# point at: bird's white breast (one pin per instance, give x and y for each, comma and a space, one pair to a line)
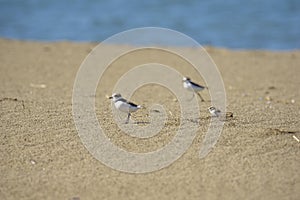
188, 86
125, 107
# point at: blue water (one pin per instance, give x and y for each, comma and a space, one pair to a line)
239, 24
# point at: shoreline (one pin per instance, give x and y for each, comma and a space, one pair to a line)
95, 43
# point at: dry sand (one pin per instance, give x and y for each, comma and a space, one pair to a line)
42, 156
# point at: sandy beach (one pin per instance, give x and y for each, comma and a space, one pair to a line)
42, 156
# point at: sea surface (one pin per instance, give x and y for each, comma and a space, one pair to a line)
237, 24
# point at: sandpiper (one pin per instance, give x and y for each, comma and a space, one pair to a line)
214, 112
124, 105
217, 113
194, 87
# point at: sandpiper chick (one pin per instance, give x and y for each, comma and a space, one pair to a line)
217, 113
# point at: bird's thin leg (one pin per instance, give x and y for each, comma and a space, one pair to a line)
200, 97
127, 121
192, 97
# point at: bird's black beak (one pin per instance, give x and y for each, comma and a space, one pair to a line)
110, 97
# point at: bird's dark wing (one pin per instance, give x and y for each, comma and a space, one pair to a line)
197, 85
132, 104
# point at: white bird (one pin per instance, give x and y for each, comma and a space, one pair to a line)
124, 105
214, 112
217, 113
191, 86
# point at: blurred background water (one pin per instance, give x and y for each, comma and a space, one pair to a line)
238, 24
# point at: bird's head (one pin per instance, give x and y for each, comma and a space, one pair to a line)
115, 96
211, 108
186, 79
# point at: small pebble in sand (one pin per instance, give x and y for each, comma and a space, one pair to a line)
33, 162
271, 87
268, 98
156, 111
293, 101
269, 106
